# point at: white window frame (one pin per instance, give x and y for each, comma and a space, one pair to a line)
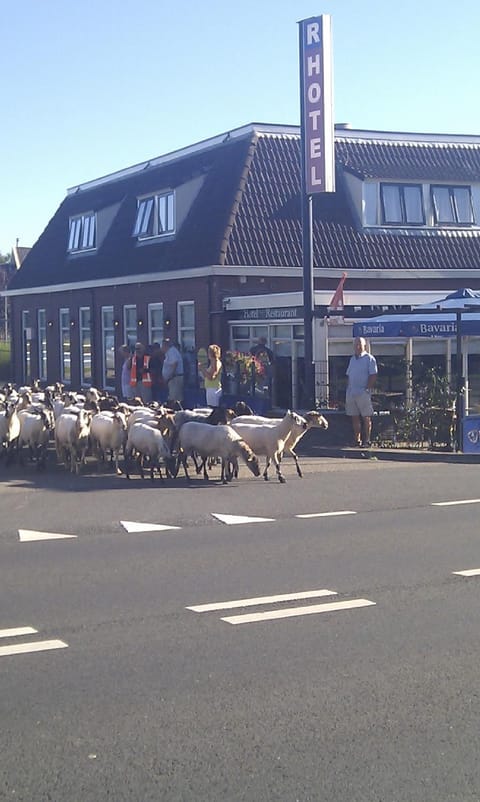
107, 330
85, 329
155, 216
42, 343
130, 333
181, 329
155, 333
82, 232
65, 345
27, 346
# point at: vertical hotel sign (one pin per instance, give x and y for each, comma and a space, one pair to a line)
318, 159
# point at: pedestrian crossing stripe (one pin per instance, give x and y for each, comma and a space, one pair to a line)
290, 612
259, 600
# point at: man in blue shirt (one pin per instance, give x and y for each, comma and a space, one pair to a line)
362, 374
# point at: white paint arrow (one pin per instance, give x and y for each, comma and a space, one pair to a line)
31, 534
134, 526
239, 519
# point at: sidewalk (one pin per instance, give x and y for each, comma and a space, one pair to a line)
312, 445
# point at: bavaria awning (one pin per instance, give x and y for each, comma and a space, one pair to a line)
423, 323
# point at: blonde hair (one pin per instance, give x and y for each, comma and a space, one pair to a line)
215, 350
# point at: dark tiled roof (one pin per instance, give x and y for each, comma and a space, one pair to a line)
406, 161
267, 229
197, 243
247, 213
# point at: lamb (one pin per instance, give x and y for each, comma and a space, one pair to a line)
268, 439
313, 418
215, 441
149, 442
72, 432
36, 425
108, 433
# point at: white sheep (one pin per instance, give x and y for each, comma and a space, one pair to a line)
9, 430
269, 440
146, 441
36, 425
215, 441
72, 434
108, 434
313, 419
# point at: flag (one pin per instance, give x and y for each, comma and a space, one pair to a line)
337, 298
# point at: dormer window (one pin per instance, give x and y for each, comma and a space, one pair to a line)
155, 216
452, 205
402, 204
82, 232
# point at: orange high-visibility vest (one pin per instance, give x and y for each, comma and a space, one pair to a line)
146, 378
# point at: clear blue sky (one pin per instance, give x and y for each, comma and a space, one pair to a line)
93, 86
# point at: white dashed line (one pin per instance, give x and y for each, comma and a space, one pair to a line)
325, 514
31, 534
230, 605
291, 612
135, 526
469, 572
239, 519
454, 503
17, 631
39, 646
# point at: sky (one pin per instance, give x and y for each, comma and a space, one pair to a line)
95, 86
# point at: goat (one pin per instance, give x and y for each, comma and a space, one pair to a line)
216, 441
269, 440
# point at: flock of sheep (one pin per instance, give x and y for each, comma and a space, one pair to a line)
146, 437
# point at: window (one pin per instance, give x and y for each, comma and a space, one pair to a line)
452, 205
65, 351
130, 325
186, 325
42, 343
85, 345
402, 204
108, 346
82, 232
155, 323
27, 346
155, 216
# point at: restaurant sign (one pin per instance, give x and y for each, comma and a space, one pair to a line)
273, 313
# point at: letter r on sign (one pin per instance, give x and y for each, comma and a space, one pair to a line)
312, 33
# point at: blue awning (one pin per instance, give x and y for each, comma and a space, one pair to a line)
419, 324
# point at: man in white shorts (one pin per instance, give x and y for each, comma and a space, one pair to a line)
362, 374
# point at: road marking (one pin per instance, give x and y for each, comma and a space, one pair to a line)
325, 514
470, 572
230, 605
32, 534
239, 519
39, 646
12, 633
453, 503
310, 609
134, 526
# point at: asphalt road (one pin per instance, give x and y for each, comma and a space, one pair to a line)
138, 697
